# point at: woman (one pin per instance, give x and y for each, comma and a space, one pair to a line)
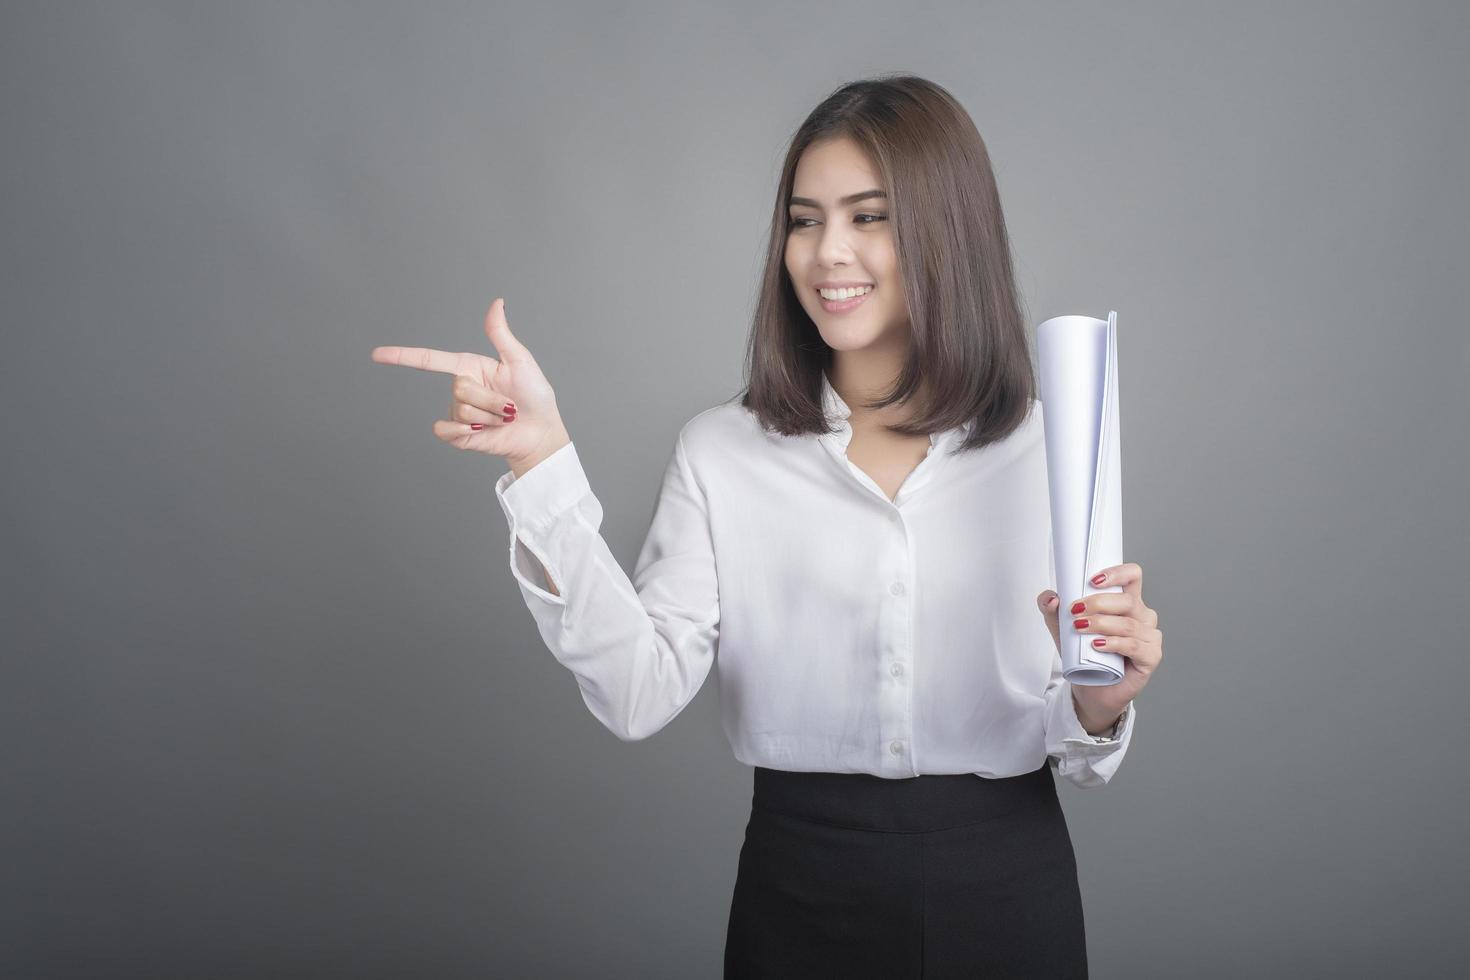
857, 538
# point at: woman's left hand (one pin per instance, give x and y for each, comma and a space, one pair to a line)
1127, 627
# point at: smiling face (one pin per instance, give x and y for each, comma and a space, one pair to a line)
839, 232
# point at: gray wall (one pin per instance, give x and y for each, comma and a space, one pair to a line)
271, 704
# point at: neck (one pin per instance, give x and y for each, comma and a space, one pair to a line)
860, 376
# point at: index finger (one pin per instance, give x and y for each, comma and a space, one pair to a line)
423, 358
1129, 575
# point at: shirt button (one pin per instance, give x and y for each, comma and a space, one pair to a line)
896, 588
896, 747
896, 669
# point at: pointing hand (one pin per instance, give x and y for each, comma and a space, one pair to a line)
502, 407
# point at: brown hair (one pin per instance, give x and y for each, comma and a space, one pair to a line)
969, 341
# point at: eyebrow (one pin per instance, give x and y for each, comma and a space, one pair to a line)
849, 199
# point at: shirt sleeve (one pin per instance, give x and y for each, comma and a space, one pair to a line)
640, 649
1086, 760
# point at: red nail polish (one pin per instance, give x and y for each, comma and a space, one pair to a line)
510, 418
1099, 641
1078, 606
1098, 578
477, 425
1079, 624
509, 407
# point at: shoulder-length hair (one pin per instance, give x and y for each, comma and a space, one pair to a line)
969, 341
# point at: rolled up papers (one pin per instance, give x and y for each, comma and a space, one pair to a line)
1079, 392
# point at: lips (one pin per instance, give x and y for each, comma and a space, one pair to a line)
844, 305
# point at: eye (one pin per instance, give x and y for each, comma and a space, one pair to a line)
875, 218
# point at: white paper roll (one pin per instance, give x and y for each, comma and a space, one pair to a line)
1079, 394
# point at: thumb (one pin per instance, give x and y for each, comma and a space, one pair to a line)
1050, 607
497, 328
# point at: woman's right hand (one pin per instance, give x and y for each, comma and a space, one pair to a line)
509, 400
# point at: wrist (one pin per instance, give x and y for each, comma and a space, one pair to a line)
1098, 722
555, 439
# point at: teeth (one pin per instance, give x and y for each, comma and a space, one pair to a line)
841, 294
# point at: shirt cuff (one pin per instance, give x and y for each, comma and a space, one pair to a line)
541, 494
1072, 730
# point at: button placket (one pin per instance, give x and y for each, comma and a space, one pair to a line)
904, 663
896, 691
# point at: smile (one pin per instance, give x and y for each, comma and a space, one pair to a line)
844, 305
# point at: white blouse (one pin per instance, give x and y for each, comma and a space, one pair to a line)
854, 633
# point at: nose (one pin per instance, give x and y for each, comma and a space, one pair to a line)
834, 246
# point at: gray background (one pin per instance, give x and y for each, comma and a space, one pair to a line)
271, 703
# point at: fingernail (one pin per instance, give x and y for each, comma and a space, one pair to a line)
510, 418
1098, 578
477, 425
1079, 624
1099, 641
509, 407
1078, 606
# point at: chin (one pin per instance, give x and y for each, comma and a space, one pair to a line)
848, 342
855, 336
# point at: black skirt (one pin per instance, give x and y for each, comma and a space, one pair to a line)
853, 875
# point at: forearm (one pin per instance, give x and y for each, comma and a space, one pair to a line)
639, 652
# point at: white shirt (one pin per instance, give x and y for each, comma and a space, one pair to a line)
851, 633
